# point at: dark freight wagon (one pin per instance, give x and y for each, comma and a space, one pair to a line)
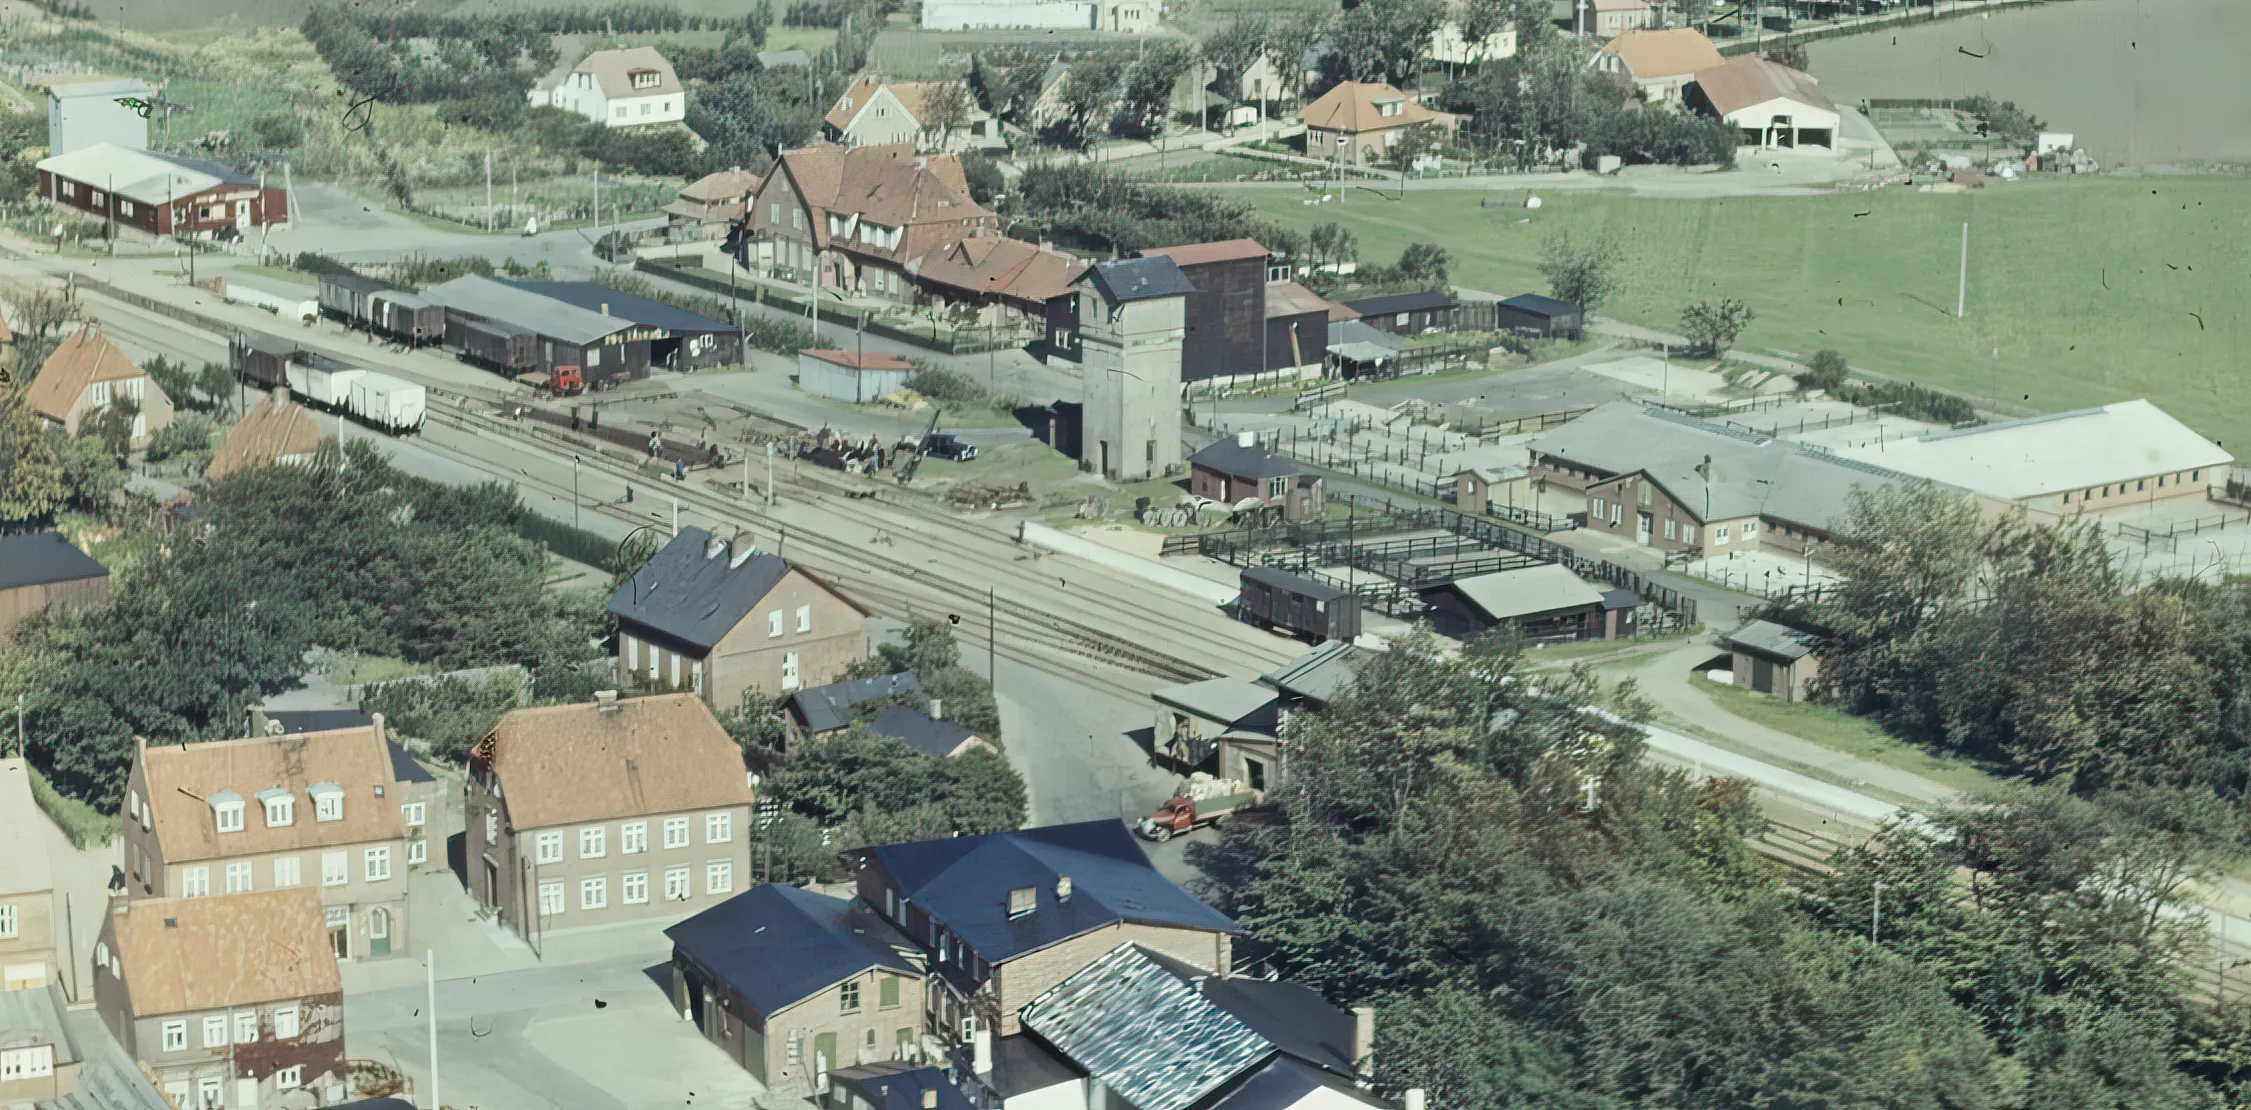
346, 297
495, 346
405, 317
261, 359
1298, 606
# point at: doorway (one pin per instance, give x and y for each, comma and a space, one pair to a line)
1641, 528
1104, 468
824, 1056
1762, 677
378, 932
340, 931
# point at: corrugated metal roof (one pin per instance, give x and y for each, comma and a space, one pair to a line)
496, 300
1145, 1033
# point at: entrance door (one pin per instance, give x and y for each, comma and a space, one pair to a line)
824, 1056
340, 931
1104, 470
245, 1094
492, 883
1641, 528
1762, 677
379, 932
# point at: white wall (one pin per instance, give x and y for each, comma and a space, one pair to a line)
960, 15
823, 378
79, 122
1067, 1095
639, 110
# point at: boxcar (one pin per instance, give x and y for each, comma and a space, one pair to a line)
260, 358
1298, 606
345, 297
381, 401
503, 347
406, 317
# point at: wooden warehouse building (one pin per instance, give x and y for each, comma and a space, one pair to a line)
603, 348
161, 194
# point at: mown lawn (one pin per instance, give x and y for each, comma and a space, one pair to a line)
2081, 291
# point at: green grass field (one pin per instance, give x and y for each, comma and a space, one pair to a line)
2091, 290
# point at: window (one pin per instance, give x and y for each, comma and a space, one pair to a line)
550, 898
621, 111
133, 804
378, 863
8, 921
207, 1092
1670, 528
328, 803
246, 1027
492, 826
238, 877
646, 79
718, 828
286, 873
1616, 511
633, 889
774, 213
675, 672
804, 618
1719, 534
632, 653
126, 207
1641, 493
887, 992
416, 813
229, 810
848, 997
675, 832
718, 876
285, 1022
645, 109
676, 884
36, 1062
594, 892
195, 882
1688, 533
281, 808
2140, 485
593, 843
290, 1078
215, 1031
333, 869
633, 838
550, 848
1598, 503
418, 850
789, 670
1750, 528
175, 1036
774, 623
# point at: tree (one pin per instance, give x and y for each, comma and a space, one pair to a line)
1582, 270
1413, 143
1712, 327
1422, 264
1147, 96
1331, 244
89, 465
945, 106
1384, 40
984, 178
112, 426
1287, 44
31, 481
41, 309
1825, 371
1232, 50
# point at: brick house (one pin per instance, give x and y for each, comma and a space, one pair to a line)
794, 984
226, 1001
1238, 470
87, 374
720, 617
1359, 121
609, 811
324, 811
852, 220
1002, 918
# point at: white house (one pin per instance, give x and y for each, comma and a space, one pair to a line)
1136, 17
619, 88
1772, 105
1448, 45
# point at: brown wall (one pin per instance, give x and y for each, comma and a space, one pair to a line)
23, 601
1017, 982
749, 656
155, 407
1792, 681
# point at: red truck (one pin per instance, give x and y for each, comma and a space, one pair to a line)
1200, 801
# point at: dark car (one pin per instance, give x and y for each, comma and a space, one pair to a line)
945, 445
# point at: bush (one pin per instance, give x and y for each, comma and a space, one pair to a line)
985, 181
1911, 400
950, 388
188, 433
1825, 370
449, 713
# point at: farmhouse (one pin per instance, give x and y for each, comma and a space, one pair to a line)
160, 194
1358, 121
42, 569
855, 219
86, 375
707, 206
1659, 63
618, 88
1674, 482
1768, 104
2044, 463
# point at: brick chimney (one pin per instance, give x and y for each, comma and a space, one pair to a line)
1364, 1039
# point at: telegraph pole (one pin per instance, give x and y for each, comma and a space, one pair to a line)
1962, 285
488, 192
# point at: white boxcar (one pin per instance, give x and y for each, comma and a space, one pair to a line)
327, 387
382, 401
284, 305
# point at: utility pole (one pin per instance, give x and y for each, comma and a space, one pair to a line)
992, 639
574, 490
430, 958
1962, 286
488, 192
1876, 915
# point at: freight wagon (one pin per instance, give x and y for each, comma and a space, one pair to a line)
1297, 606
405, 317
322, 382
386, 403
493, 345
346, 296
261, 359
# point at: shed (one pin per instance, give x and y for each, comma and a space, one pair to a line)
857, 376
1297, 605
1770, 658
1545, 602
43, 568
924, 733
1542, 316
1238, 470
1480, 488
1406, 313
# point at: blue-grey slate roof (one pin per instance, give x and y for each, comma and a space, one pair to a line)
778, 945
1231, 458
964, 882
1400, 302
43, 559
1139, 279
899, 1086
641, 310
1541, 306
693, 596
919, 731
828, 708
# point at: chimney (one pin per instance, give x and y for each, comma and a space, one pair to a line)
1063, 889
607, 700
937, 709
1246, 439
981, 1051
712, 549
930, 1098
1364, 1039
380, 734
742, 555
605, 308
1414, 1098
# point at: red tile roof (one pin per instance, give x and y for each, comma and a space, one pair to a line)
1196, 254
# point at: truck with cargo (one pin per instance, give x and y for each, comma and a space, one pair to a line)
1202, 800
387, 403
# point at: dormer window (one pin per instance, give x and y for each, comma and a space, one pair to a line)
226, 805
1022, 901
647, 79
328, 801
281, 807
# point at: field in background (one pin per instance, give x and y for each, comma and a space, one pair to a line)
2081, 291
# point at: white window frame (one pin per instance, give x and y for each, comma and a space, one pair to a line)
281, 811
8, 921
677, 887
594, 892
718, 828
633, 888
675, 832
773, 623
492, 825
228, 814
719, 876
30, 1062
290, 1078
285, 1022
175, 1036
551, 898
632, 838
804, 618
195, 882
335, 868
417, 851
593, 842
238, 877
246, 1027
288, 872
378, 863
416, 814
215, 1031
548, 847
328, 806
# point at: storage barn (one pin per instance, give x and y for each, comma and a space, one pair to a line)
856, 376
1542, 316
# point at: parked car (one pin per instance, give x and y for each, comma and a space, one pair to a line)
946, 445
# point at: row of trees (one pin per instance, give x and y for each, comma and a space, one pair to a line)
1097, 208
1545, 921
1101, 91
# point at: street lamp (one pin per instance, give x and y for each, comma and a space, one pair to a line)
574, 490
